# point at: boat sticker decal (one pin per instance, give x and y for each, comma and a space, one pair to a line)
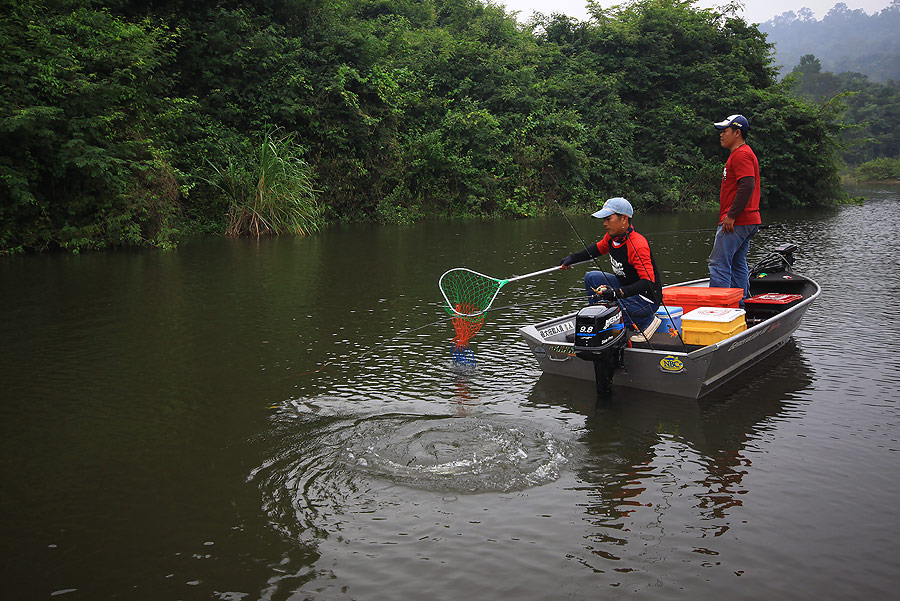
539, 351
560, 349
747, 339
671, 364
558, 329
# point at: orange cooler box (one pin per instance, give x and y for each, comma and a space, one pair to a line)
693, 297
708, 325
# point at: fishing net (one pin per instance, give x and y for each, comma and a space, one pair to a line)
464, 327
468, 294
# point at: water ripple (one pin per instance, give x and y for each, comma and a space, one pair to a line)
456, 454
325, 468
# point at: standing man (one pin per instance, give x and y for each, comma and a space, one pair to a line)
739, 218
636, 284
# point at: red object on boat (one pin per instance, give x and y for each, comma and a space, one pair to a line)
694, 297
773, 299
763, 306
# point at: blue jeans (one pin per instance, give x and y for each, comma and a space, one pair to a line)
636, 309
728, 260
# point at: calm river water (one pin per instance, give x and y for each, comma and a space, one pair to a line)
281, 420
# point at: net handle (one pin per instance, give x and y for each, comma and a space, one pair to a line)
500, 283
541, 272
531, 275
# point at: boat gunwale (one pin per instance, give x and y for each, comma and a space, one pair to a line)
697, 353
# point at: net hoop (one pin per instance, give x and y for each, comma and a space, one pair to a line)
481, 290
468, 295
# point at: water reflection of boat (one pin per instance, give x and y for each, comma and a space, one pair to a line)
631, 442
668, 365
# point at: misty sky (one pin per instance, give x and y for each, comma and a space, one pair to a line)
755, 11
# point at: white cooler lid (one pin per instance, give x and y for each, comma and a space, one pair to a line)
716, 314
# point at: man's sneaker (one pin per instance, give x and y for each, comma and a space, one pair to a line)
645, 335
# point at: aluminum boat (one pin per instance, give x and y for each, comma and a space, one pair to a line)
665, 363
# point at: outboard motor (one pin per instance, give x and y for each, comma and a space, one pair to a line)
600, 337
780, 259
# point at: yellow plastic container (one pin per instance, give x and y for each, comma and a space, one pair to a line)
709, 325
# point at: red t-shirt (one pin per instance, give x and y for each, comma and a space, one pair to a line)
633, 264
741, 163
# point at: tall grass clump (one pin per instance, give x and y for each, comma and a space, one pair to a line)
273, 193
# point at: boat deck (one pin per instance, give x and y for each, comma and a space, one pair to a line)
660, 341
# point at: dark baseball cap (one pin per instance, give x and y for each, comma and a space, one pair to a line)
738, 121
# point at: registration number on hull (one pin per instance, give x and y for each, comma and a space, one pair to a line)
559, 328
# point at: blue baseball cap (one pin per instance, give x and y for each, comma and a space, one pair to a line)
615, 205
738, 121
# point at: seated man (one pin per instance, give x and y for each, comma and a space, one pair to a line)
635, 283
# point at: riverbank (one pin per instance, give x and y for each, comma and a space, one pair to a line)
420, 111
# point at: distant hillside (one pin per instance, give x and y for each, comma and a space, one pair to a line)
844, 40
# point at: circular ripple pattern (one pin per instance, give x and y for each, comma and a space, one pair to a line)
321, 470
456, 454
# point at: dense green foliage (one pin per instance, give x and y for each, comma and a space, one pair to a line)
844, 40
128, 123
80, 93
872, 114
878, 169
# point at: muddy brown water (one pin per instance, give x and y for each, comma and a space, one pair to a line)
281, 420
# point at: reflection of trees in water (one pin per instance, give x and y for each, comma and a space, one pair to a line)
656, 462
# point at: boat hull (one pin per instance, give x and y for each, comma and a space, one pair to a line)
689, 371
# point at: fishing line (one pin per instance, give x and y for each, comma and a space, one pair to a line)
406, 333
711, 229
545, 300
643, 265
590, 297
584, 244
364, 354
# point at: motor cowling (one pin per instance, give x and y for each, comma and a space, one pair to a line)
600, 338
597, 328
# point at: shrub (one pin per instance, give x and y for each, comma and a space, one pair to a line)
883, 168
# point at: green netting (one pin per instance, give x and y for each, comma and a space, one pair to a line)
468, 293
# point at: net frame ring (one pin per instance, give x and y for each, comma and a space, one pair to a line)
477, 280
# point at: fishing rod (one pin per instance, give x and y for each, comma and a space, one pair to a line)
605, 276
594, 259
662, 304
711, 229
